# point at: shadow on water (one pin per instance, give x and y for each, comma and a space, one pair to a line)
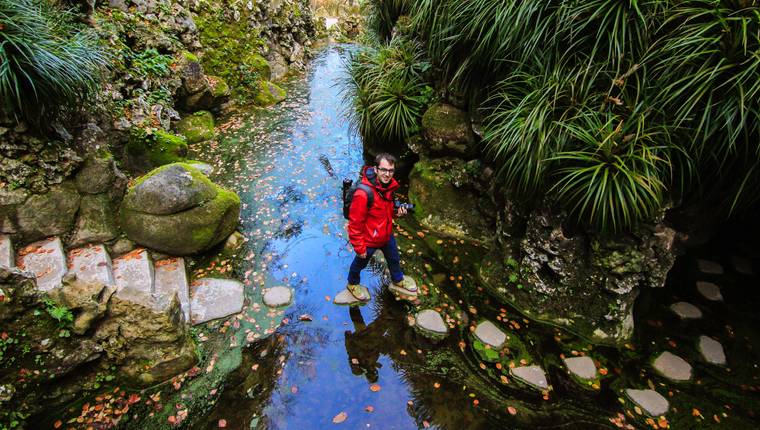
286, 164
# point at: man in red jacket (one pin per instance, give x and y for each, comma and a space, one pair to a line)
371, 228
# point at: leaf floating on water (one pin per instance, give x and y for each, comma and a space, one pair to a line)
375, 387
337, 419
369, 408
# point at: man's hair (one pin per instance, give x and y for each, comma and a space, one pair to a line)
385, 156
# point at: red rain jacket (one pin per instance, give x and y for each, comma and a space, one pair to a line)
371, 227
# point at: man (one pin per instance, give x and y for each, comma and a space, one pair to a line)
370, 229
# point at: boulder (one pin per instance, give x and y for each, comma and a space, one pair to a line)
95, 223
446, 200
49, 214
146, 150
447, 131
178, 211
196, 127
268, 94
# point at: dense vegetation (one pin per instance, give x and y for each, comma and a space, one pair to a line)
614, 109
47, 62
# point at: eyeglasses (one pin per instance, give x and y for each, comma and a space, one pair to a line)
383, 170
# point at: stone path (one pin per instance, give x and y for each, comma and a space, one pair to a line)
650, 401
213, 298
531, 375
711, 350
686, 311
46, 260
408, 281
672, 367
345, 298
91, 264
709, 291
491, 335
276, 297
431, 323
582, 367
170, 278
709, 267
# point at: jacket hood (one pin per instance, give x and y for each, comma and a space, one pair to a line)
370, 178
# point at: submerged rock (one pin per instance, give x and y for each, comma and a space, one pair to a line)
711, 350
531, 375
431, 324
672, 367
279, 296
491, 335
709, 291
582, 367
652, 402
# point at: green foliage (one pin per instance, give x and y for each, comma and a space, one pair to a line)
612, 109
60, 313
47, 62
150, 64
383, 14
388, 90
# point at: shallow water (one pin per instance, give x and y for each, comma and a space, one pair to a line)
323, 361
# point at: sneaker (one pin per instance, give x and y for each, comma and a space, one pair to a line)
407, 287
357, 291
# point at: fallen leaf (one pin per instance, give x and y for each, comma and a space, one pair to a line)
337, 419
511, 410
374, 387
222, 423
369, 408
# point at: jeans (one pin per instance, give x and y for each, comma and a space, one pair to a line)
390, 251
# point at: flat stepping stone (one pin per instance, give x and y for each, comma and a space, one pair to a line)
134, 271
712, 350
345, 298
491, 335
91, 264
742, 265
46, 260
213, 298
531, 375
686, 311
431, 322
582, 367
709, 267
672, 367
276, 297
171, 277
650, 401
408, 282
6, 251
709, 291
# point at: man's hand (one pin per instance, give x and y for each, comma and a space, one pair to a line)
401, 211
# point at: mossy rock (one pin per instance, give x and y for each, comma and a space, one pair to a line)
447, 130
258, 64
147, 150
269, 94
219, 87
187, 230
197, 127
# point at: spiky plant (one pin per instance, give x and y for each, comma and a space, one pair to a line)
47, 63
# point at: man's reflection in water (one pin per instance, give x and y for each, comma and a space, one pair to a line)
363, 346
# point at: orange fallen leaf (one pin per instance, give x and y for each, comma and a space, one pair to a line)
222, 423
437, 385
369, 408
374, 387
511, 410
337, 419
57, 424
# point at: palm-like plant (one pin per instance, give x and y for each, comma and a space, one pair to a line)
46, 63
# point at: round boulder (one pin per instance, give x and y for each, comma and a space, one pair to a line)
175, 209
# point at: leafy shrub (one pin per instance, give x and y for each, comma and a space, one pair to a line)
46, 61
150, 63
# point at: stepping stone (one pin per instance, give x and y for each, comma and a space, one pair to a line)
345, 298
134, 271
431, 322
276, 297
46, 260
489, 334
672, 367
170, 278
91, 264
712, 350
709, 291
709, 267
6, 251
531, 375
213, 298
650, 401
686, 311
742, 265
408, 281
582, 367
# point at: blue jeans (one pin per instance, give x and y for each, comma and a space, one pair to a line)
390, 251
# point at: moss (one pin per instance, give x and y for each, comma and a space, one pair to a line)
149, 149
219, 87
258, 64
197, 127
189, 56
269, 94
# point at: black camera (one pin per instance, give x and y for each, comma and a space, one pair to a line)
408, 206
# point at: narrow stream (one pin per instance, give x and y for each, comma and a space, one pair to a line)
327, 366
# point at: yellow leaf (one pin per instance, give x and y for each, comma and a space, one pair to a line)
337, 419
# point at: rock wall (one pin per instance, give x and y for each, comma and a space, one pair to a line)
549, 270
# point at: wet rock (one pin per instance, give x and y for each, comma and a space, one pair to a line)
234, 241
276, 297
531, 375
447, 130
95, 222
269, 94
672, 367
62, 360
712, 350
709, 267
178, 211
491, 335
170, 277
582, 367
431, 323
345, 298
650, 401
46, 260
709, 291
686, 310
197, 127
87, 299
215, 298
49, 214
20, 293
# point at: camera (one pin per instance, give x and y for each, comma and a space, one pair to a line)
408, 206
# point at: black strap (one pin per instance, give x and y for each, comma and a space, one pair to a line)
368, 191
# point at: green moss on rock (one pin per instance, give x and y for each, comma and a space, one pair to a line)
155, 148
196, 127
269, 94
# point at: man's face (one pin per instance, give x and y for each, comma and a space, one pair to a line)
385, 172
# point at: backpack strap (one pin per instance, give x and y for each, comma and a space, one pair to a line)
368, 191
